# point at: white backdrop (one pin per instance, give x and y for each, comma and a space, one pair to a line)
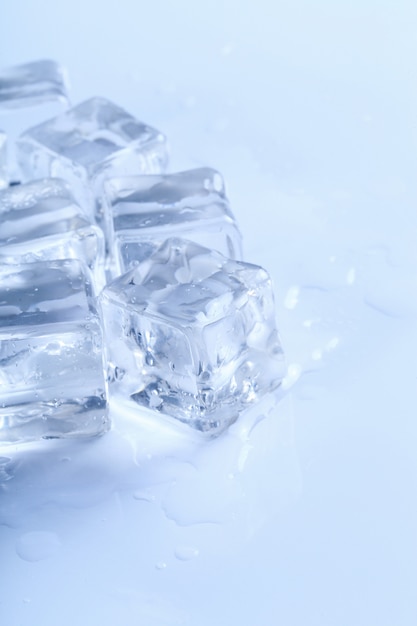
305, 513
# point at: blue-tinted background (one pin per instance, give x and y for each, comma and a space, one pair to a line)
305, 513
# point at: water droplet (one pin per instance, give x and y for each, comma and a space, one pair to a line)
161, 565
333, 343
144, 496
351, 276
291, 299
218, 182
317, 355
309, 323
243, 456
293, 374
186, 553
37, 545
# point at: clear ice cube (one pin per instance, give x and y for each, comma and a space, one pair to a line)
143, 211
4, 177
29, 94
89, 143
192, 334
51, 377
40, 221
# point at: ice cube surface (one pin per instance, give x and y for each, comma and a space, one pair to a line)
51, 378
3, 160
32, 83
29, 94
191, 333
89, 143
144, 211
40, 221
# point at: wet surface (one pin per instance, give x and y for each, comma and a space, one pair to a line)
304, 512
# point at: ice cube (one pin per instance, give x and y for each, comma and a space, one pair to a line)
3, 160
89, 143
40, 221
143, 211
29, 94
192, 334
51, 376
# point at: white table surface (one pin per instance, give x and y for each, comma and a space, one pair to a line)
304, 514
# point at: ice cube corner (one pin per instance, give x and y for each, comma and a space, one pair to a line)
89, 143
192, 334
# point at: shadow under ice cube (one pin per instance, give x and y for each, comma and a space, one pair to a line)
51, 377
88, 144
192, 334
143, 211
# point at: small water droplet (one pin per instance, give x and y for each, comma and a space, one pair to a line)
144, 496
293, 374
309, 323
291, 299
186, 553
161, 565
333, 343
37, 545
218, 182
351, 276
317, 355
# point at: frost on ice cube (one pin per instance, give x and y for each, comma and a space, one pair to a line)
40, 221
192, 334
3, 161
29, 94
143, 211
89, 143
51, 376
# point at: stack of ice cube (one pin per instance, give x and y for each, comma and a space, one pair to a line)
118, 281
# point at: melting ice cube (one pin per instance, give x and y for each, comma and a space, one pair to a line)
89, 143
51, 375
29, 94
192, 334
143, 211
41, 221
